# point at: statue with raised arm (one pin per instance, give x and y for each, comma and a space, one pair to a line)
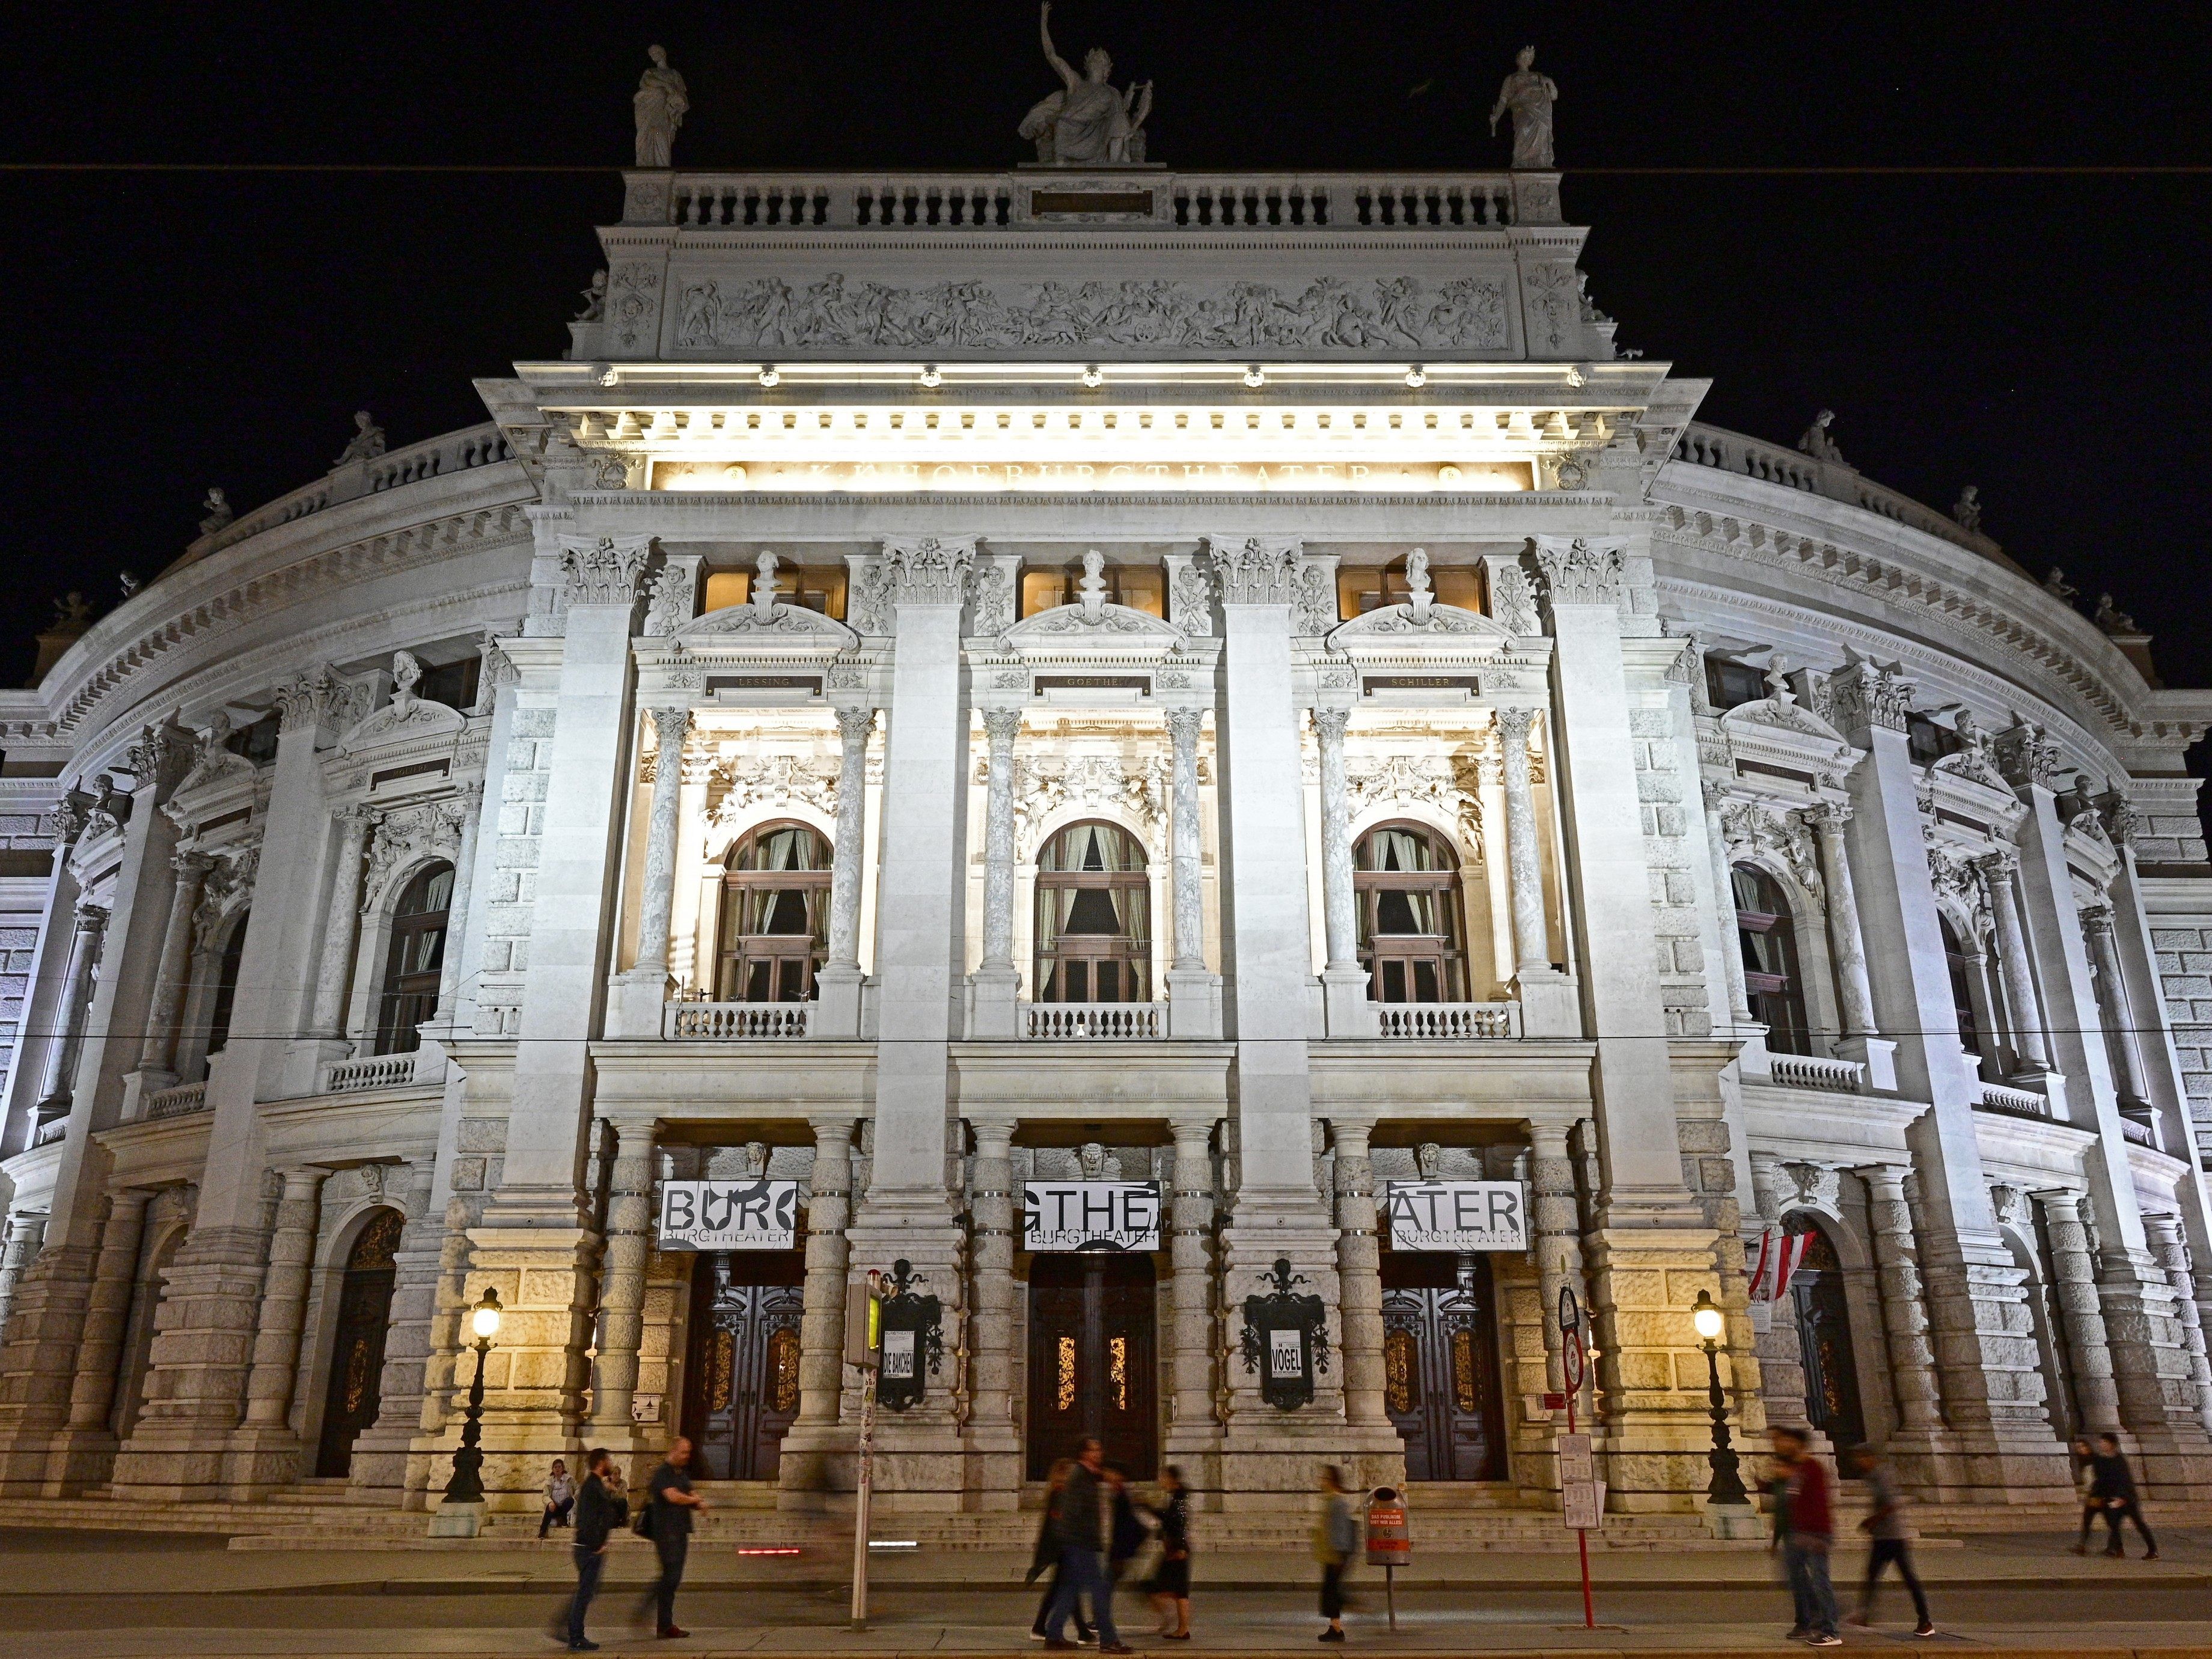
1086, 123
1528, 97
659, 105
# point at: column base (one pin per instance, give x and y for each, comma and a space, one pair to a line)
1346, 1012
837, 1001
1551, 1003
1735, 1521
635, 1002
304, 1061
261, 1460
456, 1521
61, 1462
994, 1005
1193, 1005
1878, 1055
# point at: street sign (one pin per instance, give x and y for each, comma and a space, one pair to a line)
1576, 1463
1584, 1503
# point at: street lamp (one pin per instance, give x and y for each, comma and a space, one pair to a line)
467, 1485
1727, 1484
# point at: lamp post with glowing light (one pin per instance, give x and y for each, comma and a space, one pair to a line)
467, 1485
1727, 1483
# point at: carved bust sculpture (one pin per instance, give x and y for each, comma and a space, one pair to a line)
1528, 97
659, 105
1086, 123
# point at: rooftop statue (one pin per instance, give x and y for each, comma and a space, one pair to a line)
2111, 618
368, 441
2057, 587
659, 105
219, 514
1967, 509
595, 300
1528, 97
1817, 444
1087, 123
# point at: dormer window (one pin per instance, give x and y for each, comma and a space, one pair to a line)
1362, 588
1730, 684
1926, 742
452, 683
256, 742
1141, 587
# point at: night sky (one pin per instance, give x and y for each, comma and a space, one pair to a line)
2045, 337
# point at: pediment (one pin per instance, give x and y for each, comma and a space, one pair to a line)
217, 770
1398, 624
1973, 764
411, 719
1772, 717
785, 626
1088, 625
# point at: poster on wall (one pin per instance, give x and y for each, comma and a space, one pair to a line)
1091, 1215
1457, 1215
728, 1215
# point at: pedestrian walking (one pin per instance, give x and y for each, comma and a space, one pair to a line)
599, 1510
1169, 1584
1336, 1535
2085, 1484
1885, 1527
1044, 1560
560, 1498
2114, 1486
669, 1511
1810, 1533
1082, 1554
1126, 1531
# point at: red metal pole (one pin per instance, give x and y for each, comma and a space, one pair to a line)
1582, 1535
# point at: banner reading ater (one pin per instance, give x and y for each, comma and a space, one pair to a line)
1457, 1215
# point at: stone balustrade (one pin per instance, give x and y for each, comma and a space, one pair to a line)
729, 1021
1063, 1022
2020, 1103
180, 1102
1811, 1071
1496, 1021
347, 1077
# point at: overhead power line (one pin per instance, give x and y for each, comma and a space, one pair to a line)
2188, 169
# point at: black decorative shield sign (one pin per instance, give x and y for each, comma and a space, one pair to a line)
913, 1340
1286, 1339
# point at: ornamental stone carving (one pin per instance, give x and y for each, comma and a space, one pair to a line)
316, 696
2023, 756
162, 756
2122, 823
1752, 830
1330, 315
1579, 572
992, 611
408, 838
929, 570
1866, 696
1086, 123
762, 613
755, 780
673, 592
1257, 569
1448, 785
603, 571
1190, 599
1513, 601
1316, 610
1045, 784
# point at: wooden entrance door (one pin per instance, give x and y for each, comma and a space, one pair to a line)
1093, 1366
1440, 1365
352, 1400
1824, 1335
741, 1388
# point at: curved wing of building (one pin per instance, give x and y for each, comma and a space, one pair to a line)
1195, 769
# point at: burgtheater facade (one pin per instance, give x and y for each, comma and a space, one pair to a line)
1099, 724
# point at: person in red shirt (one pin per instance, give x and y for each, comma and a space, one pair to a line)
1808, 1532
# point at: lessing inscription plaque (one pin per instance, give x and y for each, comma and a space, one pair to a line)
1419, 683
810, 683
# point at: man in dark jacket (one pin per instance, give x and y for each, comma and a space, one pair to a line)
1812, 1533
674, 1505
2112, 1488
1082, 1545
598, 1512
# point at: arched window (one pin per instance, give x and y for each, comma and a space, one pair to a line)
1961, 969
1406, 878
775, 916
225, 984
1094, 935
415, 959
1770, 975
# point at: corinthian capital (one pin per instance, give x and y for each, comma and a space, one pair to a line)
929, 570
1864, 695
1257, 569
602, 571
1579, 571
312, 698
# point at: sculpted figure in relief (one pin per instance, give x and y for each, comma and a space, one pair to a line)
1087, 123
1528, 97
661, 104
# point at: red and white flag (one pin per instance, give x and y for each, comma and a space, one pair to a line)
1779, 1255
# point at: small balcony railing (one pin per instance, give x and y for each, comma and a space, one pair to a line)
1845, 1077
2020, 1103
1493, 1021
1073, 1022
735, 1022
180, 1102
347, 1077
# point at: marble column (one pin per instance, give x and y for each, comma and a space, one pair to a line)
1904, 1301
1344, 990
2018, 976
822, 1327
157, 1052
621, 1284
2169, 1245
2081, 1313
355, 823
26, 1229
657, 895
107, 1317
1559, 1239
1193, 1430
77, 999
1183, 727
994, 989
1360, 1274
1532, 951
1739, 995
2113, 1002
994, 1468
1844, 936
284, 1300
470, 807
838, 993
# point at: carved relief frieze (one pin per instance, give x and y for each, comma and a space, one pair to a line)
1044, 784
1448, 785
1758, 830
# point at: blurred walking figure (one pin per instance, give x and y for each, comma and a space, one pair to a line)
599, 1510
2085, 1488
669, 1518
1044, 1561
2114, 1488
1169, 1584
1810, 1533
1126, 1531
1082, 1554
1336, 1535
1885, 1527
